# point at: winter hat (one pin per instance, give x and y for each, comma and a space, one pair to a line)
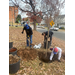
27, 27
55, 50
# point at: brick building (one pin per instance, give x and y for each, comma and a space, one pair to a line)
13, 12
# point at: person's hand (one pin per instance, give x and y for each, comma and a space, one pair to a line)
51, 49
22, 32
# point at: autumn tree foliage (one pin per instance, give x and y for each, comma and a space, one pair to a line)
25, 19
37, 18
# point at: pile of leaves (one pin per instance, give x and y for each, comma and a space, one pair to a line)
13, 59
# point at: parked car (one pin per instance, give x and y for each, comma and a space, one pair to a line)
40, 26
54, 28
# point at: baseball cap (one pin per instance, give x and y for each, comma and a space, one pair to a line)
55, 51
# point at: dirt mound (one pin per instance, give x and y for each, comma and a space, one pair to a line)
13, 59
27, 54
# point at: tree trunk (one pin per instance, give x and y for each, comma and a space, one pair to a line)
34, 25
47, 41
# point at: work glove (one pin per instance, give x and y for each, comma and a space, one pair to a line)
51, 49
22, 32
28, 35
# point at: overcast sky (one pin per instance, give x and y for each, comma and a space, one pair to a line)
24, 15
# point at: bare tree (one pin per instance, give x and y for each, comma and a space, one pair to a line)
50, 9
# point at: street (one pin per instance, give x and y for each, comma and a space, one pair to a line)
58, 34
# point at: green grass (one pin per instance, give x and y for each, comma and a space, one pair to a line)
15, 27
14, 23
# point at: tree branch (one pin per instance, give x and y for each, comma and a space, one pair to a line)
21, 8
25, 1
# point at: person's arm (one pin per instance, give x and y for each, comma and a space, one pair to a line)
51, 33
23, 29
51, 49
30, 29
50, 39
51, 56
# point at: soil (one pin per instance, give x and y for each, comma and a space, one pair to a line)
13, 59
27, 54
44, 58
13, 49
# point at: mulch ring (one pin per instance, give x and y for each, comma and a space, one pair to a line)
27, 54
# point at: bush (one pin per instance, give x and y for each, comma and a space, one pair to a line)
61, 28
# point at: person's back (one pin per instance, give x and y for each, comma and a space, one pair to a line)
28, 29
50, 33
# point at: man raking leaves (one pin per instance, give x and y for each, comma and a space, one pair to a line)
29, 33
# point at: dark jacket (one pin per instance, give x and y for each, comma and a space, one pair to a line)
28, 31
50, 33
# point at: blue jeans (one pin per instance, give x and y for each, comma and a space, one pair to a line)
30, 40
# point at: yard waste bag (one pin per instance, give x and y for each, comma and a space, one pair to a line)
37, 46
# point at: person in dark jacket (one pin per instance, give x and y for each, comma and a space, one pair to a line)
45, 36
29, 33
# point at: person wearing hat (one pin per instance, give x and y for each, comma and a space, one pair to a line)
56, 50
29, 33
45, 36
